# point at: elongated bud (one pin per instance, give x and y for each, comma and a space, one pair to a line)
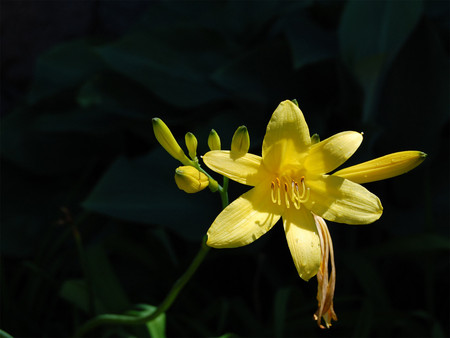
241, 141
213, 140
191, 144
190, 180
383, 167
168, 142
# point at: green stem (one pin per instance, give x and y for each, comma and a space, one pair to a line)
147, 316
111, 319
224, 192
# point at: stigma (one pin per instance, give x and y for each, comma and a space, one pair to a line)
289, 191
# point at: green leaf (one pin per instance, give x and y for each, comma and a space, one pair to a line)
259, 75
371, 34
106, 285
157, 327
309, 42
170, 63
75, 292
417, 244
64, 67
143, 190
4, 334
280, 307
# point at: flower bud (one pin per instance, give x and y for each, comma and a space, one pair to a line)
315, 139
191, 144
190, 180
213, 140
241, 141
168, 142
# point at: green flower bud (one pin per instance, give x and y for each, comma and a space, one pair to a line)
213, 140
241, 141
168, 142
191, 144
315, 139
190, 180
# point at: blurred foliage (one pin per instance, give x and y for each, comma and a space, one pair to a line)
92, 221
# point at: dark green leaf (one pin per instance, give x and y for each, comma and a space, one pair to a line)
309, 42
371, 35
143, 190
177, 75
106, 285
63, 67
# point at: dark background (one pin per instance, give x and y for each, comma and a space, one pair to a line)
92, 221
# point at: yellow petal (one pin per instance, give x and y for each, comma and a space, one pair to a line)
303, 241
246, 169
287, 137
384, 167
343, 201
245, 220
329, 154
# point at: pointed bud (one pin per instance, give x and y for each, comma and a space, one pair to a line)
168, 142
315, 139
190, 180
383, 167
191, 144
213, 140
241, 141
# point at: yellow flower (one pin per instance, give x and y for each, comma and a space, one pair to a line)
290, 181
190, 180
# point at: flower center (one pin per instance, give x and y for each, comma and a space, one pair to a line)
290, 191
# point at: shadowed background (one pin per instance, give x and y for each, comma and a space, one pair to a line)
92, 221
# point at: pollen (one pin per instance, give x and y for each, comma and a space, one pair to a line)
289, 191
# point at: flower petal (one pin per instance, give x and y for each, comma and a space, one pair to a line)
287, 137
246, 169
303, 241
383, 167
329, 154
343, 201
245, 220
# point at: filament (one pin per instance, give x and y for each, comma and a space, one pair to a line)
294, 192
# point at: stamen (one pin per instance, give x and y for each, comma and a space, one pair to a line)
286, 197
278, 191
272, 188
295, 195
305, 191
292, 193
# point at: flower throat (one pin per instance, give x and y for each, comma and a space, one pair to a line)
289, 191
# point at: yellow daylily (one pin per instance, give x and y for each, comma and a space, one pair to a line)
290, 181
